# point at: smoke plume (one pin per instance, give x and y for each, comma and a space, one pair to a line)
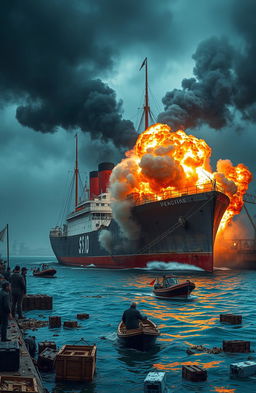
224, 83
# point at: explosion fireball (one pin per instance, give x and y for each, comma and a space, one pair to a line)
166, 164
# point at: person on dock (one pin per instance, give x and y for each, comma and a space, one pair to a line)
5, 309
132, 317
18, 290
7, 274
24, 276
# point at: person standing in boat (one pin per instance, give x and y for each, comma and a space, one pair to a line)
5, 309
132, 317
18, 289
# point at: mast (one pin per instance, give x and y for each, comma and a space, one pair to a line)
76, 173
146, 107
146, 111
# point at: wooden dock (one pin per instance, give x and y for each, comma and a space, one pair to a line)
26, 378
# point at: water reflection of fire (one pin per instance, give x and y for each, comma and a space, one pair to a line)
163, 162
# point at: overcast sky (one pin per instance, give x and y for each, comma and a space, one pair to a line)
73, 66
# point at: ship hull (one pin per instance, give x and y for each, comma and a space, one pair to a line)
179, 230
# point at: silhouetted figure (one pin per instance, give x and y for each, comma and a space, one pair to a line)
18, 291
131, 317
5, 309
7, 274
24, 276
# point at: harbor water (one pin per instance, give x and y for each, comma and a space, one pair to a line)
105, 294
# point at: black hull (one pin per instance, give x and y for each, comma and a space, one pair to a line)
175, 291
174, 230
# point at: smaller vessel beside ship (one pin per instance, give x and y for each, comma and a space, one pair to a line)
171, 288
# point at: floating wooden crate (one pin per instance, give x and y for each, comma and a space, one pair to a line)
54, 322
46, 359
243, 369
236, 346
231, 318
70, 324
76, 363
9, 384
82, 316
194, 373
46, 344
37, 302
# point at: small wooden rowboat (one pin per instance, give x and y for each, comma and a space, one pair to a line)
173, 289
44, 273
142, 338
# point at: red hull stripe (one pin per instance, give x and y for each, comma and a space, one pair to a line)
202, 260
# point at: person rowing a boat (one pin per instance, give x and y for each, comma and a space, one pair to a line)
132, 317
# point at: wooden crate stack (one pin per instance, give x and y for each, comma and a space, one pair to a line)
76, 363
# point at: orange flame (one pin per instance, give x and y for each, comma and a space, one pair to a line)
166, 164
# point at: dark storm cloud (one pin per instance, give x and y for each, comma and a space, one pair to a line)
223, 81
52, 54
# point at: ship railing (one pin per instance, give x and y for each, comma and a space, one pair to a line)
198, 189
58, 231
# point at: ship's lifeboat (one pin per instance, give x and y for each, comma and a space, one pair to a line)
171, 288
45, 271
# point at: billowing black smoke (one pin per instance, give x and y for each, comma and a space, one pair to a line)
224, 80
92, 106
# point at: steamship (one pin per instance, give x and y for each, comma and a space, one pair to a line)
180, 228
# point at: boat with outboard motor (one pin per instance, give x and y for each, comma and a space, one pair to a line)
170, 288
44, 271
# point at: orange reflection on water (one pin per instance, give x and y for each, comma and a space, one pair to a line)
221, 389
176, 365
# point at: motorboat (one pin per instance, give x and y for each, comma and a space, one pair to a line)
44, 271
171, 288
141, 338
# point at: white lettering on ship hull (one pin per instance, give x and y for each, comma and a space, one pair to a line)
173, 202
83, 244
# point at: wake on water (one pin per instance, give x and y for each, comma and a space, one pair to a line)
158, 265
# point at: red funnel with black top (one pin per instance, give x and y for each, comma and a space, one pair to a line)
94, 184
104, 170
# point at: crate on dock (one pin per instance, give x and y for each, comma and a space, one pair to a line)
9, 384
231, 318
82, 316
243, 369
46, 344
70, 324
76, 363
54, 322
194, 373
9, 355
236, 346
46, 359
